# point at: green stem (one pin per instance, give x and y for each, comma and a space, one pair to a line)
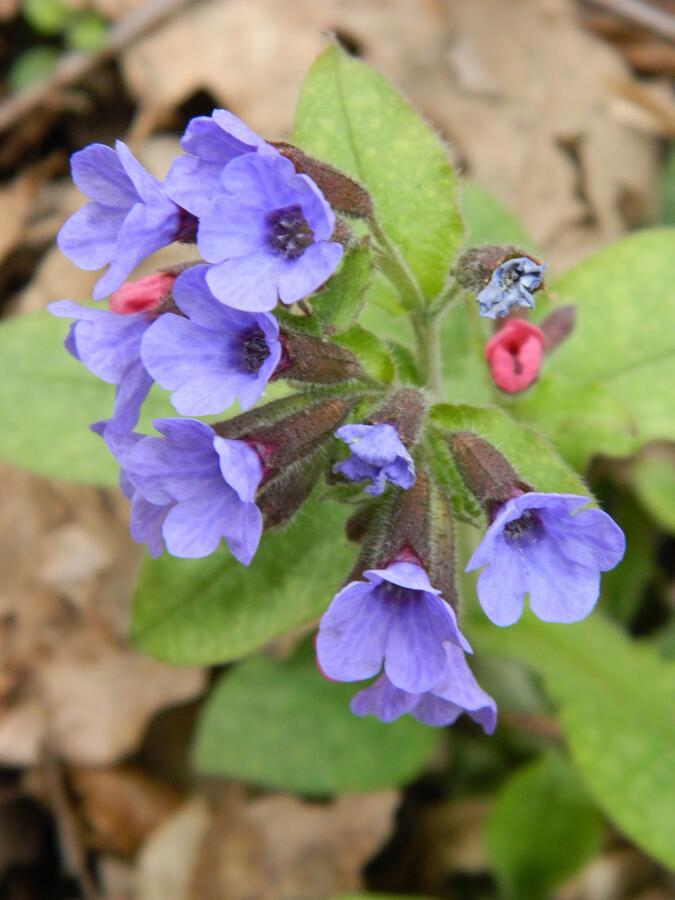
396, 271
423, 317
425, 327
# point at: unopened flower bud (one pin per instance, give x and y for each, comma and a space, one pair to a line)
282, 495
144, 295
514, 355
558, 325
486, 473
502, 277
290, 438
309, 359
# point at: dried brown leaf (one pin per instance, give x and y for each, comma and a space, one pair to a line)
121, 806
67, 677
283, 848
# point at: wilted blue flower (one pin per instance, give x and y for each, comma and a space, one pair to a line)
455, 693
268, 232
128, 218
207, 482
377, 453
511, 284
540, 544
213, 356
109, 345
210, 143
395, 617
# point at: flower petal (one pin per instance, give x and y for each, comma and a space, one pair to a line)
589, 538
415, 657
383, 700
303, 276
248, 283
501, 585
351, 639
560, 590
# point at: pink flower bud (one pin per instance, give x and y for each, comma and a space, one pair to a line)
514, 355
144, 295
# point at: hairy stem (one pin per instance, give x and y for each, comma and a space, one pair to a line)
425, 327
395, 270
423, 317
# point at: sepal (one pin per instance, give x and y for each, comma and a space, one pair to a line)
489, 476
342, 192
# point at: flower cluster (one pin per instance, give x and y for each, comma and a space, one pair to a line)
266, 223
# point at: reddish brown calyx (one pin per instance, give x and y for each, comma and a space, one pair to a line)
487, 474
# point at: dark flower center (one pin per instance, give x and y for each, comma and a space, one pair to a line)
254, 350
528, 525
288, 233
186, 232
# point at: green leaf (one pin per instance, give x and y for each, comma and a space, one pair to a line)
285, 726
624, 339
338, 305
211, 610
531, 858
372, 353
653, 478
32, 65
46, 16
580, 418
351, 117
531, 455
617, 714
87, 32
48, 400
406, 365
488, 221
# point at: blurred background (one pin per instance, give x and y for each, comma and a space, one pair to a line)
564, 111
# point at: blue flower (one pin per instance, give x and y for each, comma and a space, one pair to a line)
377, 453
213, 356
146, 519
456, 692
109, 345
205, 485
128, 218
395, 618
545, 546
268, 234
210, 143
511, 284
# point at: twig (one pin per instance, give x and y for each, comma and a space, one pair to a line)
656, 20
74, 66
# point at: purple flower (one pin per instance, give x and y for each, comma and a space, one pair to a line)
109, 345
511, 284
268, 232
210, 142
207, 483
378, 453
540, 544
455, 693
213, 356
146, 519
128, 218
395, 617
